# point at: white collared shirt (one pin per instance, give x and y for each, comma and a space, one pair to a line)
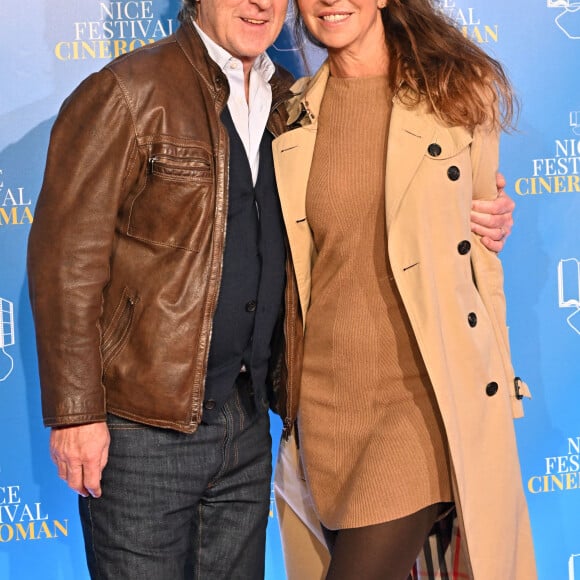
249, 118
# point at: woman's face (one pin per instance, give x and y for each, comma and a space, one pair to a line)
344, 25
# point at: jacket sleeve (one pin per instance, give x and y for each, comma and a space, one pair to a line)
91, 164
487, 266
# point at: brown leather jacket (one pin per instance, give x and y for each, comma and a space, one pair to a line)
125, 252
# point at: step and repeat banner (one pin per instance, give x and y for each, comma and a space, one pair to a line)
48, 47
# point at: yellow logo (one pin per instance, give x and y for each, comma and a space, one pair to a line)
24, 522
561, 472
468, 23
557, 174
14, 205
122, 27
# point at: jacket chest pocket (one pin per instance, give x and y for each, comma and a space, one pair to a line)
175, 205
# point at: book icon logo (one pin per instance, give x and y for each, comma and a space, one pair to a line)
568, 19
575, 122
569, 291
6, 337
574, 567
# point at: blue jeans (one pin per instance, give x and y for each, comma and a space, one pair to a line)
177, 506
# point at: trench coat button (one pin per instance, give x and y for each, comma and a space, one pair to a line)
472, 319
209, 404
453, 173
434, 150
251, 306
491, 389
463, 247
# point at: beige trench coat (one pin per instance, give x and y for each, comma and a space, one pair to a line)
452, 288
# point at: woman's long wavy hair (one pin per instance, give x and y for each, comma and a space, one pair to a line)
428, 55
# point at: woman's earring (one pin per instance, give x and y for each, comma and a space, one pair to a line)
381, 4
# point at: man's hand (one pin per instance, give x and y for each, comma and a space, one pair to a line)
80, 453
493, 220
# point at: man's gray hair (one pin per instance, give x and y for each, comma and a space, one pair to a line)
188, 10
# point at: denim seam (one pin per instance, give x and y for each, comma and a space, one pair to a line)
199, 540
225, 446
230, 422
242, 425
241, 410
97, 565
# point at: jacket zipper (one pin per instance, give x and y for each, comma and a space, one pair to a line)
112, 343
195, 419
194, 164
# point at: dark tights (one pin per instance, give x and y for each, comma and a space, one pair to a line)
382, 551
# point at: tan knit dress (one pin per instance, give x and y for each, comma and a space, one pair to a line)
371, 437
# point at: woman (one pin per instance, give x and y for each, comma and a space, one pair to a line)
406, 392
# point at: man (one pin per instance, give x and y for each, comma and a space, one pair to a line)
153, 326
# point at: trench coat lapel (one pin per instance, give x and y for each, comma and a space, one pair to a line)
410, 134
293, 153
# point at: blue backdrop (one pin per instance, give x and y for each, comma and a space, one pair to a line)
47, 47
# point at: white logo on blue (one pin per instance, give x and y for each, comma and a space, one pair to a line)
573, 565
568, 20
6, 337
569, 290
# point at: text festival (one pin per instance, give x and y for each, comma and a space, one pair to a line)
470, 26
558, 174
24, 522
122, 27
14, 207
562, 472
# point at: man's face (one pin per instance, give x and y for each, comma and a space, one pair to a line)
245, 28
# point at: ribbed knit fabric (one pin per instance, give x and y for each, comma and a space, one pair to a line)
371, 437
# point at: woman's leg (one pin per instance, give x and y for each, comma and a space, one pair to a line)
382, 551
